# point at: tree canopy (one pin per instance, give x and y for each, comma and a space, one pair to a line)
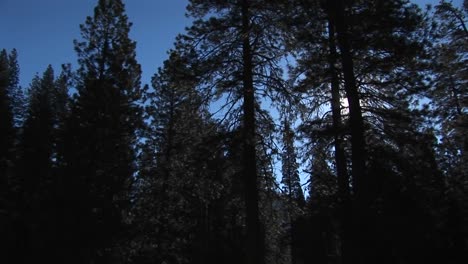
281, 132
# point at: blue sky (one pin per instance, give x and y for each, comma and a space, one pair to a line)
43, 31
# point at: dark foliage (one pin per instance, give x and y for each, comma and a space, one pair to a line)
367, 98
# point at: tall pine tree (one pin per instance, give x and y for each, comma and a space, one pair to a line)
7, 157
36, 168
238, 44
449, 107
99, 152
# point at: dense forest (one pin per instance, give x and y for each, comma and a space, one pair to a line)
276, 132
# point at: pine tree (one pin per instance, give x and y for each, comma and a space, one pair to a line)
240, 50
167, 173
183, 188
7, 135
318, 77
61, 112
36, 142
323, 205
290, 179
385, 66
448, 95
99, 152
18, 100
378, 76
37, 181
448, 92
7, 141
13, 108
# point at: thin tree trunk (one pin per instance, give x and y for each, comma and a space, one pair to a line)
352, 94
361, 221
255, 242
340, 158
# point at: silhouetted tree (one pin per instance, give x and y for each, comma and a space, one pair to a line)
170, 184
18, 100
448, 105
35, 168
184, 171
240, 50
99, 155
290, 169
7, 136
8, 240
377, 74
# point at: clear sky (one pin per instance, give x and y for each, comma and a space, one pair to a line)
43, 31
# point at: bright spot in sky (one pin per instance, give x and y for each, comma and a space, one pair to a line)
344, 106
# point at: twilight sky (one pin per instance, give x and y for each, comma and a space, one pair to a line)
43, 31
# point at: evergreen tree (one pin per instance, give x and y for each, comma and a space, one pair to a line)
448, 92
99, 152
176, 126
183, 183
290, 174
7, 139
448, 95
378, 77
277, 209
122, 173
7, 135
324, 205
12, 109
35, 168
36, 143
240, 50
61, 112
18, 100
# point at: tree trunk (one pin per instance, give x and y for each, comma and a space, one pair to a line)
361, 220
255, 243
340, 158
